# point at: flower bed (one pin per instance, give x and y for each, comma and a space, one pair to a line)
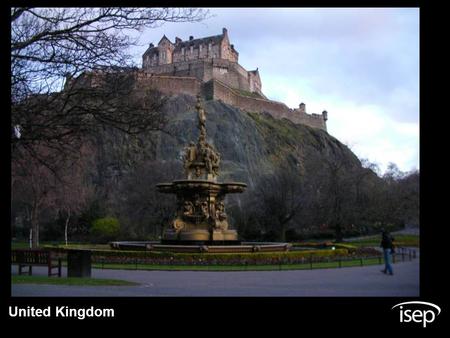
341, 251
323, 245
264, 258
365, 252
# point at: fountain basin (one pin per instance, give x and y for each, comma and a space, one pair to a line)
205, 247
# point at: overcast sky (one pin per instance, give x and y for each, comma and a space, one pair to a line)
361, 65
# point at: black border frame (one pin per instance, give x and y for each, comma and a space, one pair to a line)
341, 314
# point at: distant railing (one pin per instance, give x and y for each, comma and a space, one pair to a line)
403, 254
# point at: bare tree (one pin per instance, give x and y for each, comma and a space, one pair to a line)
137, 202
48, 44
73, 192
336, 193
54, 51
33, 184
398, 197
40, 189
409, 188
280, 197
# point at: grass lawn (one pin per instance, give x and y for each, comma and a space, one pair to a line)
400, 240
321, 265
69, 281
20, 245
85, 246
26, 245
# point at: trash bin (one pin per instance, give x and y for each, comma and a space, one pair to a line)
79, 263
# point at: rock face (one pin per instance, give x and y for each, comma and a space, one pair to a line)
249, 143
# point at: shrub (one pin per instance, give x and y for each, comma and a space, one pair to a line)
105, 229
324, 234
270, 236
251, 234
292, 235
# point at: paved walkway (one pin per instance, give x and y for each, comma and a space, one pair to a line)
408, 231
354, 281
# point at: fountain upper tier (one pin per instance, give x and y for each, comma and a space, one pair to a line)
185, 186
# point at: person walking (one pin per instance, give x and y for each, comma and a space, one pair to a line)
388, 250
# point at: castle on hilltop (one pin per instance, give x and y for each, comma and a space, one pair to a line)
207, 58
209, 66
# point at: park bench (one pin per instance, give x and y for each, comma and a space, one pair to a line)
29, 257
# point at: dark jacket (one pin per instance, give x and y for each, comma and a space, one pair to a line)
387, 241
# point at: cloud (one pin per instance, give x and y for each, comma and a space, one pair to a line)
368, 130
375, 136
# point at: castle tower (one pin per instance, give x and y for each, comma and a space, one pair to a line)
302, 108
211, 47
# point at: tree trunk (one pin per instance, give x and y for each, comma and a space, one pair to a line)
283, 233
338, 232
67, 226
34, 228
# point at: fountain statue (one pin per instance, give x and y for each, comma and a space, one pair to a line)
201, 217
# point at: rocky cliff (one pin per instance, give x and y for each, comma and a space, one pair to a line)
249, 143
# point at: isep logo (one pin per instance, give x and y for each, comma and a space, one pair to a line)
418, 312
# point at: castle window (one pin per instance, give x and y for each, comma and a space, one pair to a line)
192, 49
199, 49
182, 50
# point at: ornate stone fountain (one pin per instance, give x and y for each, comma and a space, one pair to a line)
201, 217
201, 222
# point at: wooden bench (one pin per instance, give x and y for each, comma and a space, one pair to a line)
30, 257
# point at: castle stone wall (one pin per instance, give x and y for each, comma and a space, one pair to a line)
312, 120
183, 69
219, 91
228, 72
212, 90
171, 85
216, 90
